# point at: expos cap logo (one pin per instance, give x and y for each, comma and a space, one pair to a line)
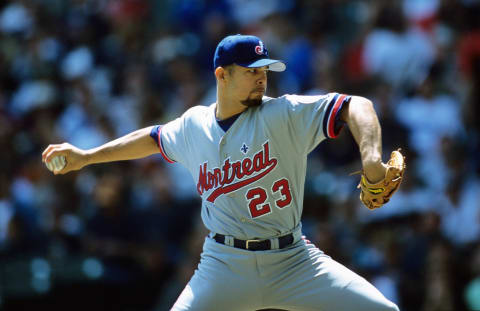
259, 48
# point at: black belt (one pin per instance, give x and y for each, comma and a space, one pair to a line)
256, 245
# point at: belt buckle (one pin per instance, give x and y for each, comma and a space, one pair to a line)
250, 241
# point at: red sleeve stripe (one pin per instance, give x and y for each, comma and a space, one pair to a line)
160, 146
332, 116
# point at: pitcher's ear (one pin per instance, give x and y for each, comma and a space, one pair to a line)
220, 73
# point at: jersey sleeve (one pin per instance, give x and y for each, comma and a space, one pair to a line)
170, 140
315, 118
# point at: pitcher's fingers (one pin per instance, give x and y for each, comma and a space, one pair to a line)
48, 156
54, 152
47, 150
44, 153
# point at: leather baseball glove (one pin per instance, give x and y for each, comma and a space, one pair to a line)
375, 195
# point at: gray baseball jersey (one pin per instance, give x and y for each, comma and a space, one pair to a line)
251, 177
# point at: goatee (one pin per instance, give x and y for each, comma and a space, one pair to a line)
252, 102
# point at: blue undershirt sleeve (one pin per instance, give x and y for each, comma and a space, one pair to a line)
154, 133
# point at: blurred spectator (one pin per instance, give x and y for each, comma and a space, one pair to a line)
438, 276
395, 51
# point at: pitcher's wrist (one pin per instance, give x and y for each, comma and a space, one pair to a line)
374, 171
371, 159
88, 157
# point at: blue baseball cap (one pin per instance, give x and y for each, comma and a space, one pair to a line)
245, 51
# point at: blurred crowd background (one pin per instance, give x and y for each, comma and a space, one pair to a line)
127, 235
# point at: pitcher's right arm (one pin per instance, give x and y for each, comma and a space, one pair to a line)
135, 145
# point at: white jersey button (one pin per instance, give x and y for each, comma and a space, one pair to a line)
232, 195
243, 219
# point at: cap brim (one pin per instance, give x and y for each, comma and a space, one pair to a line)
273, 64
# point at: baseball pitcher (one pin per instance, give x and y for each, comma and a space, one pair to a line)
247, 154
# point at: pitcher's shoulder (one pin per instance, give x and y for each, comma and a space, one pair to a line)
199, 111
293, 98
273, 102
266, 100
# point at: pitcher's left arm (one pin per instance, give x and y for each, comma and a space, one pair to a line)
363, 122
379, 180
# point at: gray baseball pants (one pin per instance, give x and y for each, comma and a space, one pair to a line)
297, 278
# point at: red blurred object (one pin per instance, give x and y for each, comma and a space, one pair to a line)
127, 10
427, 24
353, 62
469, 49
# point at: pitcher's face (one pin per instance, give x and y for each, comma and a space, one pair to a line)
248, 85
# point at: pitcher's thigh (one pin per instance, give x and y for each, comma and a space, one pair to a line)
357, 295
206, 295
332, 287
223, 281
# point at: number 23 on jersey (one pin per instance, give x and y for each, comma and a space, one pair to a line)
257, 196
